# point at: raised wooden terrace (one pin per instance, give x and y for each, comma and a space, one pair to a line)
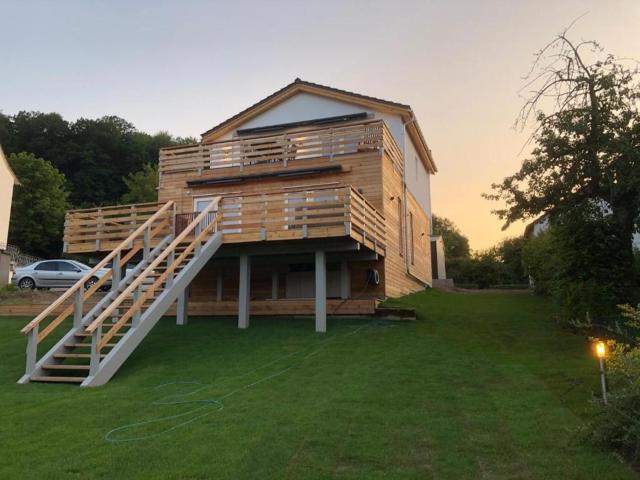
291, 215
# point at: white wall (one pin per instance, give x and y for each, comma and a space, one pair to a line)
306, 106
6, 194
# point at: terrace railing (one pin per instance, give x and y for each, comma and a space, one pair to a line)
103, 228
277, 150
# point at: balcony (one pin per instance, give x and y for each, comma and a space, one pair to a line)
271, 153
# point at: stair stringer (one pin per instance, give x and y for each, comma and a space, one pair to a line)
49, 357
110, 364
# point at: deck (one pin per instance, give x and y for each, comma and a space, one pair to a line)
292, 215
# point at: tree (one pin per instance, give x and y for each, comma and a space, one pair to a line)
142, 186
38, 206
456, 245
585, 166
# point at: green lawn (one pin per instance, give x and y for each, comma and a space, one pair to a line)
481, 386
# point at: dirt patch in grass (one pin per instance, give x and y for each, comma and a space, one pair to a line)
21, 297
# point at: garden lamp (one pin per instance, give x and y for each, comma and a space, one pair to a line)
601, 353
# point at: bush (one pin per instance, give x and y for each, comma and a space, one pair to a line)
617, 425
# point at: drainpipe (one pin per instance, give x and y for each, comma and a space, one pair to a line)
407, 262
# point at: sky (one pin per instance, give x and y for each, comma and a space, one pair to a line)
186, 66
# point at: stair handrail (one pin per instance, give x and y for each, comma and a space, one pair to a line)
80, 284
108, 312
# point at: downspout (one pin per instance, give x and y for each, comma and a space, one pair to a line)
407, 262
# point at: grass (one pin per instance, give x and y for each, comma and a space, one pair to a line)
481, 386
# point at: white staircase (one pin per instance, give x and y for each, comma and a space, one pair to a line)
101, 339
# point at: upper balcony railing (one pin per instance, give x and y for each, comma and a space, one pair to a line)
279, 150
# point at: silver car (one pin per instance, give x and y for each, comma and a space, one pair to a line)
56, 274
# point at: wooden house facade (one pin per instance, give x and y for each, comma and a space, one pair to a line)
314, 201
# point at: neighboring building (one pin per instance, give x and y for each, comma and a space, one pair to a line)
541, 224
314, 201
7, 181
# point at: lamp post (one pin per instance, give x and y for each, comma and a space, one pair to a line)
601, 353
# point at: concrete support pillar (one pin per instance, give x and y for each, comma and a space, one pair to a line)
274, 285
345, 280
244, 294
219, 286
321, 291
182, 314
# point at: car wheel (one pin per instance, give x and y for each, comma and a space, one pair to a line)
91, 282
27, 283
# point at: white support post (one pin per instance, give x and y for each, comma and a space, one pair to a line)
77, 308
274, 284
32, 350
345, 280
182, 316
321, 291
219, 286
94, 362
244, 294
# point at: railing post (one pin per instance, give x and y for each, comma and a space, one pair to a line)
135, 319
32, 350
146, 245
170, 260
99, 222
116, 272
77, 309
197, 232
347, 204
94, 362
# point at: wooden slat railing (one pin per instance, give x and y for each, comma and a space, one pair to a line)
103, 228
318, 213
201, 229
274, 149
156, 225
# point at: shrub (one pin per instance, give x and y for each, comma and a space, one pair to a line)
617, 424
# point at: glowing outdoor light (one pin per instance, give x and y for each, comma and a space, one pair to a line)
601, 353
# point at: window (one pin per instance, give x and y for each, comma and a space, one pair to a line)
410, 234
47, 267
401, 227
67, 267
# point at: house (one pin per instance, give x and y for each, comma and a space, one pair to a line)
8, 180
314, 201
542, 224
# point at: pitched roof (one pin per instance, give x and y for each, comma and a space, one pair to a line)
299, 85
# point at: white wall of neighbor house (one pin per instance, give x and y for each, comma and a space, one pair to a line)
6, 194
306, 106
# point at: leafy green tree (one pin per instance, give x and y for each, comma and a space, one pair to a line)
509, 253
456, 245
142, 186
93, 154
585, 168
38, 206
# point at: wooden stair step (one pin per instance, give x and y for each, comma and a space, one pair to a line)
87, 334
85, 345
56, 379
75, 355
66, 367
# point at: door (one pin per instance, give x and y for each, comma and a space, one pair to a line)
46, 274
200, 203
68, 274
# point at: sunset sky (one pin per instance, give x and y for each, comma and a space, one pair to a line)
185, 66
